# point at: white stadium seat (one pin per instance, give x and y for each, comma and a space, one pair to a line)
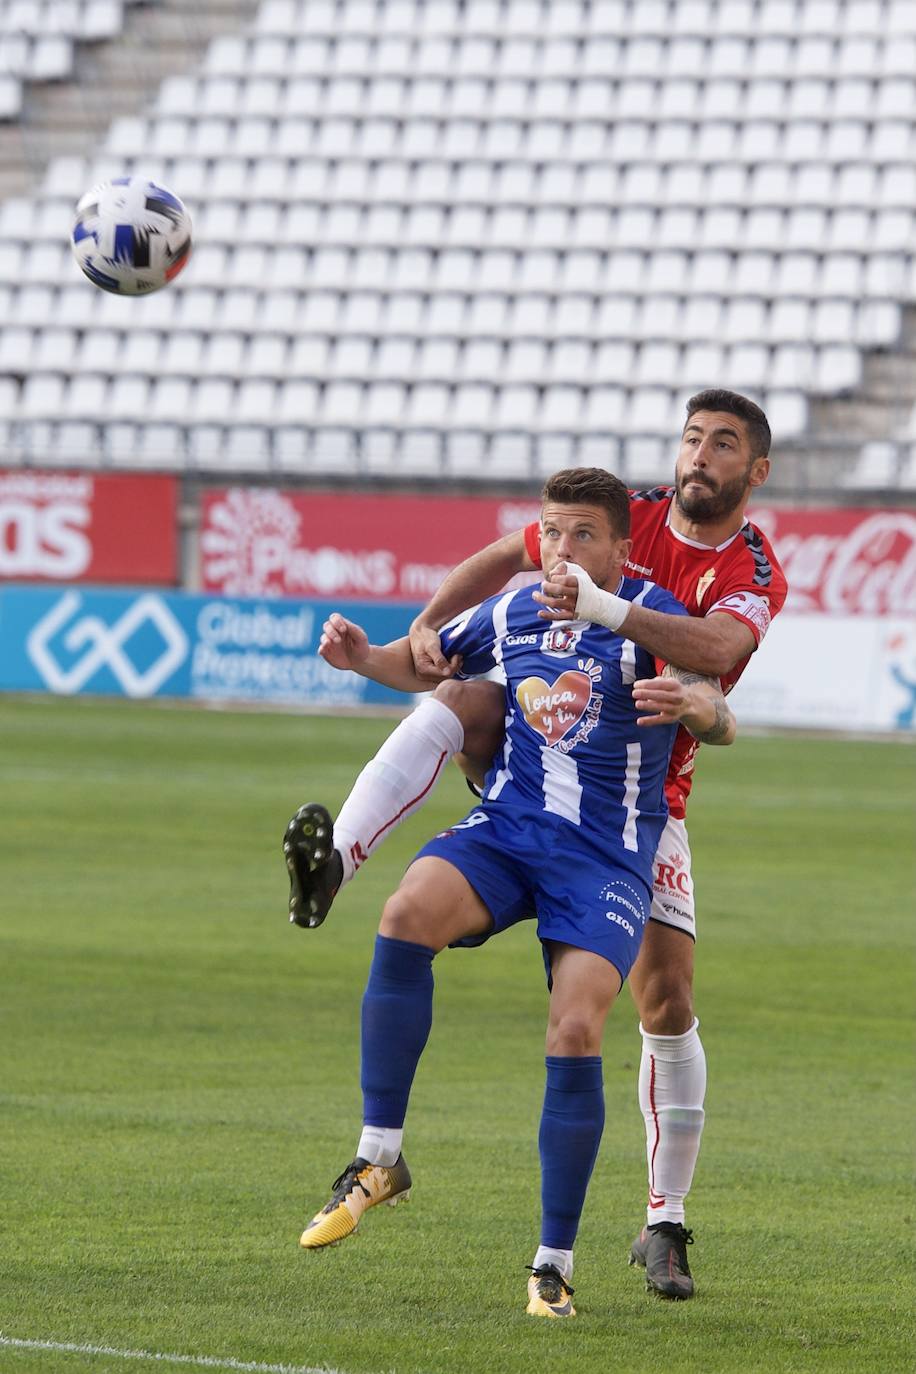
604, 408
141, 351
790, 364
437, 358
170, 400
649, 411
516, 407
85, 399
159, 446
747, 366
297, 403
77, 442
98, 350
462, 225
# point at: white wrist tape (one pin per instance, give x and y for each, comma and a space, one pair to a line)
600, 607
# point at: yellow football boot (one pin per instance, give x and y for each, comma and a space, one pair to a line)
549, 1295
361, 1185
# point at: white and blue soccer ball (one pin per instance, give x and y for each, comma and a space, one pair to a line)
131, 236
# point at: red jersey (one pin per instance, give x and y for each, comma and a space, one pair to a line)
741, 578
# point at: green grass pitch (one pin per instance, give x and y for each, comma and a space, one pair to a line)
180, 1079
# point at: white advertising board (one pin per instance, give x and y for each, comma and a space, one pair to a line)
842, 654
832, 672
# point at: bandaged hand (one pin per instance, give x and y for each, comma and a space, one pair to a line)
569, 593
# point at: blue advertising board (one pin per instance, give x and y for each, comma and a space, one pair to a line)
138, 643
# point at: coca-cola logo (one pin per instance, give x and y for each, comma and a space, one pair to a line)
859, 563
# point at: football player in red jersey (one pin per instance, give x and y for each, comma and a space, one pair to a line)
694, 539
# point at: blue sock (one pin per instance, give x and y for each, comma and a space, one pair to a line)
571, 1124
396, 1017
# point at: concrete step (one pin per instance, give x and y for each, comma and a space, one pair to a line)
857, 417
26, 150
799, 468
14, 182
810, 470
182, 25
93, 107
888, 379
908, 332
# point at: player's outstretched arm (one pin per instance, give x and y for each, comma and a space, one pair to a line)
710, 645
345, 645
480, 576
689, 698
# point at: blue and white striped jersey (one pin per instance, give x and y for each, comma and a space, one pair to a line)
572, 745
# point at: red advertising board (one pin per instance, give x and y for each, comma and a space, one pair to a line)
321, 544
79, 527
398, 548
845, 562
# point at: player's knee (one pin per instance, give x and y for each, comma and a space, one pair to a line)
573, 1034
667, 1006
458, 697
405, 918
480, 708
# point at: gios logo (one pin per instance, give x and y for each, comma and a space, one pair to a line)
627, 906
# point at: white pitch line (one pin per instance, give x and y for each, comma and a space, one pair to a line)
199, 1361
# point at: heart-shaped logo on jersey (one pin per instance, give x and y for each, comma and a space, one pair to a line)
554, 710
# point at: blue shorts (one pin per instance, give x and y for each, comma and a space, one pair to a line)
531, 864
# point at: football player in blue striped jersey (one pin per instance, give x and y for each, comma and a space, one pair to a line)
565, 833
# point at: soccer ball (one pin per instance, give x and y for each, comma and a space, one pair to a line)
131, 236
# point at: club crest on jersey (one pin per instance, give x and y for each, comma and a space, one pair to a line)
704, 584
569, 703
561, 640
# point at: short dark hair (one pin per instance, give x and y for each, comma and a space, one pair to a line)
591, 487
758, 426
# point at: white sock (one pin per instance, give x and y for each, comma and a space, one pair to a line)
672, 1086
380, 1144
561, 1259
397, 781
